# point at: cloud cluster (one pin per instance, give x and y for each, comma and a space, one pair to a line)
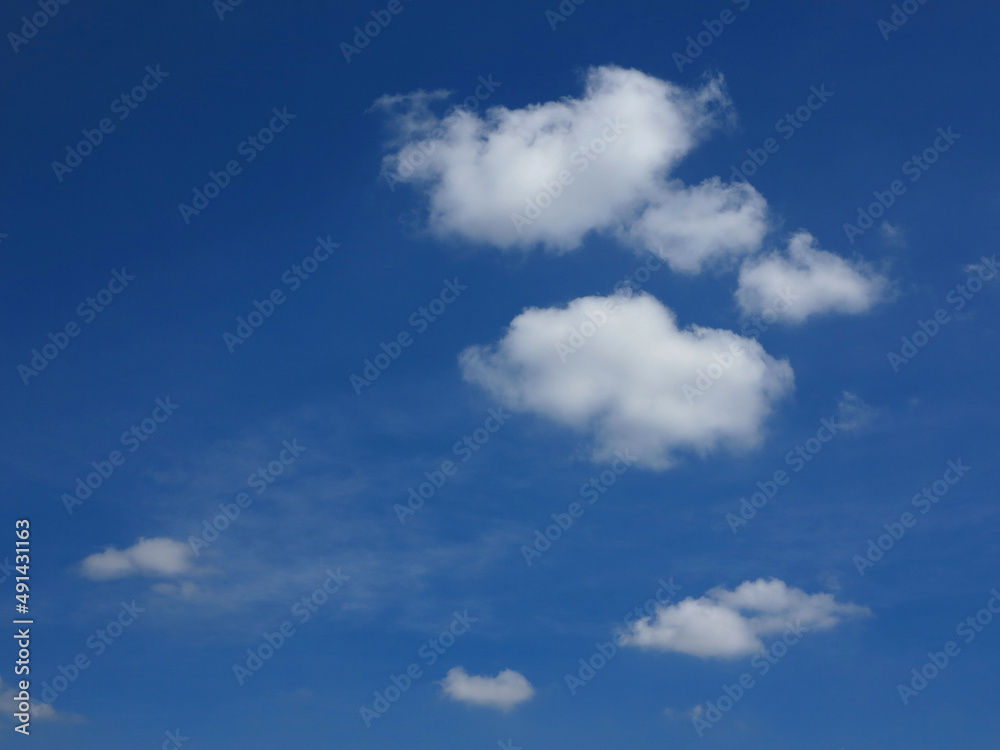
622, 368
504, 691
569, 167
728, 624
549, 174
810, 281
147, 557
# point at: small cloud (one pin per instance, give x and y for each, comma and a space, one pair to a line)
892, 235
184, 590
804, 281
986, 269
504, 691
147, 557
39, 711
729, 624
691, 713
853, 413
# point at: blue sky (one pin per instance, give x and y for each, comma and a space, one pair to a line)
675, 325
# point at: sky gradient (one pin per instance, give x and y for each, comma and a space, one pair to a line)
430, 362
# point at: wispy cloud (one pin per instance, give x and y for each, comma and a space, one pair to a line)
729, 624
160, 557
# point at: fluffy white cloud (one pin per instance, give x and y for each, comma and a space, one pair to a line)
807, 281
621, 369
504, 691
729, 624
148, 557
688, 226
552, 172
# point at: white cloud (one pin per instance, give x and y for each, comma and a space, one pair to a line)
148, 557
807, 281
596, 163
632, 378
689, 226
730, 624
504, 691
